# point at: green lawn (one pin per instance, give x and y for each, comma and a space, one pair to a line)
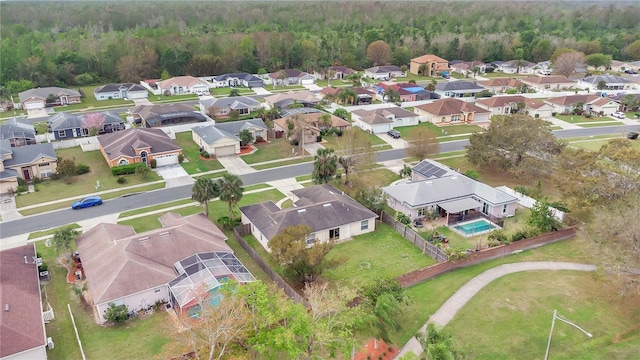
225, 91
99, 342
333, 142
38, 234
574, 119
595, 145
89, 102
41, 127
449, 154
50, 190
191, 152
611, 123
172, 98
154, 208
334, 83
283, 163
272, 150
417, 78
405, 131
518, 309
270, 87
367, 258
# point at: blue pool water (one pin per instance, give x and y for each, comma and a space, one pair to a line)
475, 227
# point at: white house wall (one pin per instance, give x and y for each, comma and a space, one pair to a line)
138, 301
37, 353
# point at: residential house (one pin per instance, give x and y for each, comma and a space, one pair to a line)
619, 66
221, 107
26, 162
634, 65
183, 85
467, 68
23, 334
407, 91
380, 121
544, 67
500, 85
384, 72
611, 82
434, 65
590, 104
234, 80
40, 98
436, 188
548, 83
121, 91
458, 89
618, 98
166, 115
331, 214
312, 122
65, 125
139, 145
290, 77
285, 100
451, 111
362, 96
516, 67
18, 133
505, 105
334, 73
163, 265
223, 138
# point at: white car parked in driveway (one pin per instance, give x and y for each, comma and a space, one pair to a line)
619, 115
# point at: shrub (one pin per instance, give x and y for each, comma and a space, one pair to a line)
54, 176
122, 180
554, 113
294, 142
153, 163
499, 236
22, 188
82, 169
43, 267
205, 154
472, 174
124, 169
180, 158
116, 313
22, 181
228, 223
403, 218
519, 235
319, 138
37, 180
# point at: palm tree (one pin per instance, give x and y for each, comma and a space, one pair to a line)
296, 105
324, 121
438, 345
325, 166
432, 85
355, 78
422, 69
204, 190
230, 186
392, 96
348, 96
382, 317
63, 237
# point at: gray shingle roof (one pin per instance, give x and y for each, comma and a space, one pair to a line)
44, 92
64, 121
110, 88
210, 134
233, 102
321, 207
123, 142
383, 69
234, 127
15, 128
243, 76
458, 85
608, 79
30, 153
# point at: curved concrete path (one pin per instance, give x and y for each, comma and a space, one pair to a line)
451, 307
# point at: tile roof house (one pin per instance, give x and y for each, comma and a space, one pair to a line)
284, 100
311, 118
466, 68
434, 187
136, 270
183, 85
547, 83
221, 107
330, 213
223, 138
505, 105
591, 104
26, 162
233, 80
363, 96
290, 77
500, 85
65, 125
380, 121
334, 73
451, 111
120, 91
40, 98
611, 82
435, 65
18, 133
22, 330
458, 89
166, 115
384, 72
136, 145
516, 67
407, 91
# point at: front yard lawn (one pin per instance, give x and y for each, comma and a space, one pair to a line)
375, 256
609, 123
405, 131
333, 141
191, 152
171, 98
225, 91
84, 184
573, 119
275, 149
89, 102
270, 87
595, 145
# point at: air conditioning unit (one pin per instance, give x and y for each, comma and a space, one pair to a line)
50, 343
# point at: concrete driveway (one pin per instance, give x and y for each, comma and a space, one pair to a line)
235, 165
395, 143
261, 91
174, 175
8, 210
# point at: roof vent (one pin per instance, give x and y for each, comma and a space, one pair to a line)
6, 307
143, 239
162, 234
326, 205
25, 260
302, 211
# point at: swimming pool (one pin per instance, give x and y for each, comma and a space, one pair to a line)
475, 227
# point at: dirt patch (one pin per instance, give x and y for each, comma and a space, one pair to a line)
383, 352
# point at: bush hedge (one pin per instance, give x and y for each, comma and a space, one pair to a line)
124, 169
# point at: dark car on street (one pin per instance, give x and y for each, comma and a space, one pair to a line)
394, 134
87, 202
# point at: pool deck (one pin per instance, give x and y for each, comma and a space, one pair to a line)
453, 227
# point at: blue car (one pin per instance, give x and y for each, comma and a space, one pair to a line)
87, 202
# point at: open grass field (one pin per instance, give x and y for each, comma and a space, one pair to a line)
517, 311
84, 184
194, 163
405, 131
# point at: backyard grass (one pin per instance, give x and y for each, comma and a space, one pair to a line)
574, 119
372, 257
522, 304
111, 195
41, 127
283, 163
405, 131
99, 342
50, 190
272, 150
611, 123
595, 145
38, 234
191, 152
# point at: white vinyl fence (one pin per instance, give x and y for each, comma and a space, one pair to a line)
528, 202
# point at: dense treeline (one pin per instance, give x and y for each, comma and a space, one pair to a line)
79, 43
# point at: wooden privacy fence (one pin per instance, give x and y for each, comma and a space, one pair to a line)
416, 239
242, 230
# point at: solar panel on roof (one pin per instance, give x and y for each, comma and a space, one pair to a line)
429, 170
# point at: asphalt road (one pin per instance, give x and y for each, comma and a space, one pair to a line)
133, 201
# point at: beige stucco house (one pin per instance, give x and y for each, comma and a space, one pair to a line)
452, 111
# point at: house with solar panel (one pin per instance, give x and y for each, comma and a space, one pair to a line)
172, 264
437, 189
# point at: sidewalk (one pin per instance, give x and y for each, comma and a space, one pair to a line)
450, 308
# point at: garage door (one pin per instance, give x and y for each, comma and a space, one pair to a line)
162, 160
33, 105
226, 150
